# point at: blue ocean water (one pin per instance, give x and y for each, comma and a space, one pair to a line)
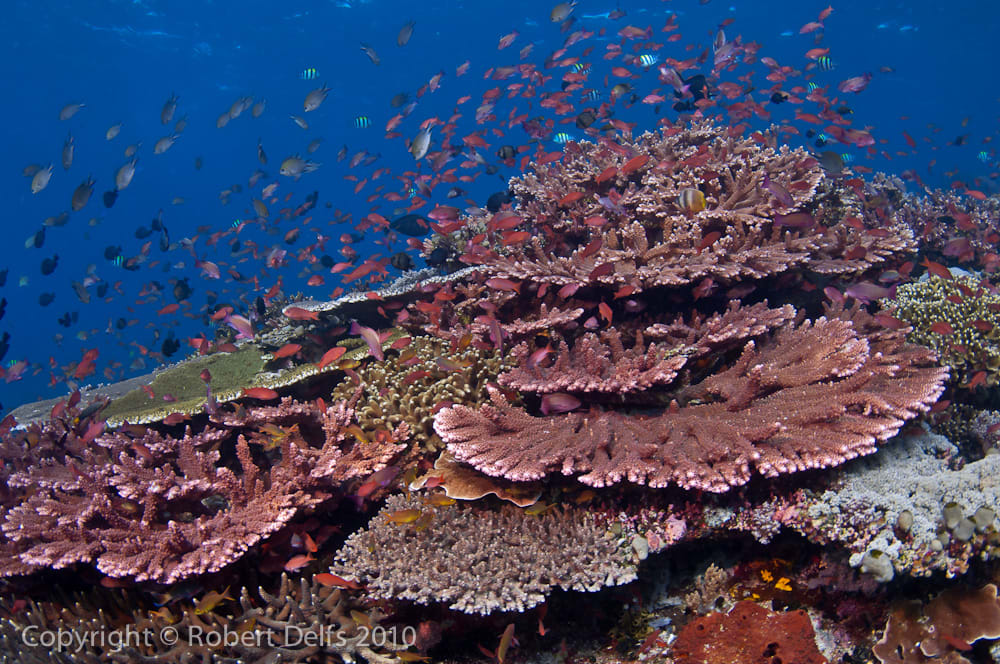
932, 77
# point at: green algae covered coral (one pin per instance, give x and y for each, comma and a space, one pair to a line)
180, 389
959, 319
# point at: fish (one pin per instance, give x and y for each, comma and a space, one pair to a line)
211, 600
831, 162
169, 108
309, 74
81, 195
113, 131
413, 225
164, 144
855, 83
109, 198
258, 109
69, 110
420, 144
691, 200
405, 33
295, 166
825, 63
402, 261
315, 98
299, 121
647, 59
261, 155
125, 174
362, 122
562, 138
67, 153
41, 179
370, 52
562, 11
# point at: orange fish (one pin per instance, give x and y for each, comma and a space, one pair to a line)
298, 562
331, 356
334, 581
262, 393
941, 327
287, 350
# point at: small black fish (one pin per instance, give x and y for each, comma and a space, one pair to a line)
3, 277
402, 261
102, 289
45, 299
324, 260
49, 264
507, 152
438, 257
585, 119
497, 200
38, 239
121, 323
4, 345
110, 197
260, 306
3, 307
779, 97
170, 346
182, 290
142, 233
411, 224
164, 240
111, 251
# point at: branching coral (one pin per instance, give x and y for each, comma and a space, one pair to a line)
154, 507
479, 560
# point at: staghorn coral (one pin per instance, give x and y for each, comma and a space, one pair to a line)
154, 507
406, 388
479, 560
939, 630
814, 396
969, 307
748, 634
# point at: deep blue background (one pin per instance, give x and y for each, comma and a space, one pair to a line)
123, 59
